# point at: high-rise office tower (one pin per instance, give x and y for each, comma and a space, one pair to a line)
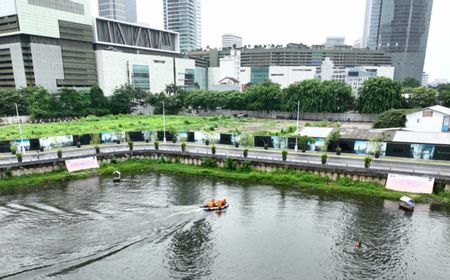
184, 17
400, 28
123, 10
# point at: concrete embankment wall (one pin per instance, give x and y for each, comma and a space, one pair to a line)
333, 173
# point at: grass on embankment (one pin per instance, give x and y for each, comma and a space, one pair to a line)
290, 178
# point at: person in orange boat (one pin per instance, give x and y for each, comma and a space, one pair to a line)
224, 201
219, 203
211, 204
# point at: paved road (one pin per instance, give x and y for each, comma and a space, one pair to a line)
391, 166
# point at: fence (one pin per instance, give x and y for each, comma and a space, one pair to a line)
13, 120
342, 117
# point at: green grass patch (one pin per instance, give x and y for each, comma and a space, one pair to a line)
93, 124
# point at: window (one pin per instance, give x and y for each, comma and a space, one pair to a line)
427, 114
141, 77
189, 77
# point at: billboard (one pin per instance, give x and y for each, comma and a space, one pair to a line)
75, 165
411, 184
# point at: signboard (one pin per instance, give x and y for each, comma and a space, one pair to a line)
75, 165
411, 184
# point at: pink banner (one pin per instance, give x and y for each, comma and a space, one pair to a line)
82, 164
411, 184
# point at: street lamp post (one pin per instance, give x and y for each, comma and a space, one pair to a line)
164, 122
20, 128
298, 118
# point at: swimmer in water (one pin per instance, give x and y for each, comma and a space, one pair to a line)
358, 244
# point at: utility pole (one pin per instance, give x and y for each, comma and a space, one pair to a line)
298, 126
20, 128
164, 121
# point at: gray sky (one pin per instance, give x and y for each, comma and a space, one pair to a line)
299, 21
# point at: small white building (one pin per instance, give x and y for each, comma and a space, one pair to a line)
432, 119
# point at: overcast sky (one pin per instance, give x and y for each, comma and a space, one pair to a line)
300, 21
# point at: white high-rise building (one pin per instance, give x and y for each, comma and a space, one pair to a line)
184, 17
123, 10
231, 41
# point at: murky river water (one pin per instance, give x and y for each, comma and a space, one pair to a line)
150, 227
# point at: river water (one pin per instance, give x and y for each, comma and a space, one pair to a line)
150, 227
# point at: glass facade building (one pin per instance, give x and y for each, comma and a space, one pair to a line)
123, 10
400, 28
184, 17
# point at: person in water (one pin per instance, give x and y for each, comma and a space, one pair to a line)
358, 244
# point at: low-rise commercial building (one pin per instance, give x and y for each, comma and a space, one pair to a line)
149, 60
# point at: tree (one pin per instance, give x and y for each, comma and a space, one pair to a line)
264, 97
172, 104
99, 103
8, 99
422, 97
72, 102
444, 95
173, 89
125, 98
42, 104
306, 93
379, 94
336, 97
391, 119
410, 82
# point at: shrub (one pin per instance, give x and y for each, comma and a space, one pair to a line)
367, 162
207, 142
209, 163
13, 149
130, 145
338, 151
95, 139
324, 158
391, 118
114, 159
245, 153
19, 157
59, 153
156, 145
377, 153
183, 147
230, 164
246, 166
213, 150
97, 149
284, 155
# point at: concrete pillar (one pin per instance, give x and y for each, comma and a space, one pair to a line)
447, 188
